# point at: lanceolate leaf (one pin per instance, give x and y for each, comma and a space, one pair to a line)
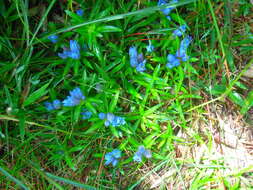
36, 95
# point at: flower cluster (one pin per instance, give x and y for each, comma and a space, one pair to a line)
76, 96
111, 119
73, 52
167, 11
137, 60
56, 104
142, 152
174, 60
114, 156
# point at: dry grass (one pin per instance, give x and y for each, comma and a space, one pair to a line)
217, 150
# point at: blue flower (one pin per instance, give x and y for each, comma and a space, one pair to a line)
80, 12
118, 121
74, 51
76, 96
102, 116
136, 60
173, 61
141, 66
112, 157
140, 153
86, 114
183, 48
111, 119
167, 11
179, 31
56, 104
133, 56
53, 38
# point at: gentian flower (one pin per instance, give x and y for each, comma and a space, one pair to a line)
53, 38
173, 61
183, 48
136, 60
80, 12
142, 152
56, 104
179, 31
112, 157
74, 51
76, 96
102, 116
141, 66
167, 11
111, 119
86, 114
133, 56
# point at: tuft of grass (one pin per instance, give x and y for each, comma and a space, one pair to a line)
172, 112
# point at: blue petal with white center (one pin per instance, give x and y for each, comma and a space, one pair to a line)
56, 104
112, 157
142, 152
111, 119
76, 96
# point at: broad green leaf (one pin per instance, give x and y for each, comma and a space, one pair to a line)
236, 98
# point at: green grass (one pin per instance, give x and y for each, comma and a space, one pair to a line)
166, 110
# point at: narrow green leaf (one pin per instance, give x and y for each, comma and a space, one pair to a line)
108, 28
94, 127
15, 180
36, 95
152, 110
146, 11
218, 90
248, 103
114, 101
74, 183
22, 125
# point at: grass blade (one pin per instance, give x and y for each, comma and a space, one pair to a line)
146, 11
74, 183
15, 180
